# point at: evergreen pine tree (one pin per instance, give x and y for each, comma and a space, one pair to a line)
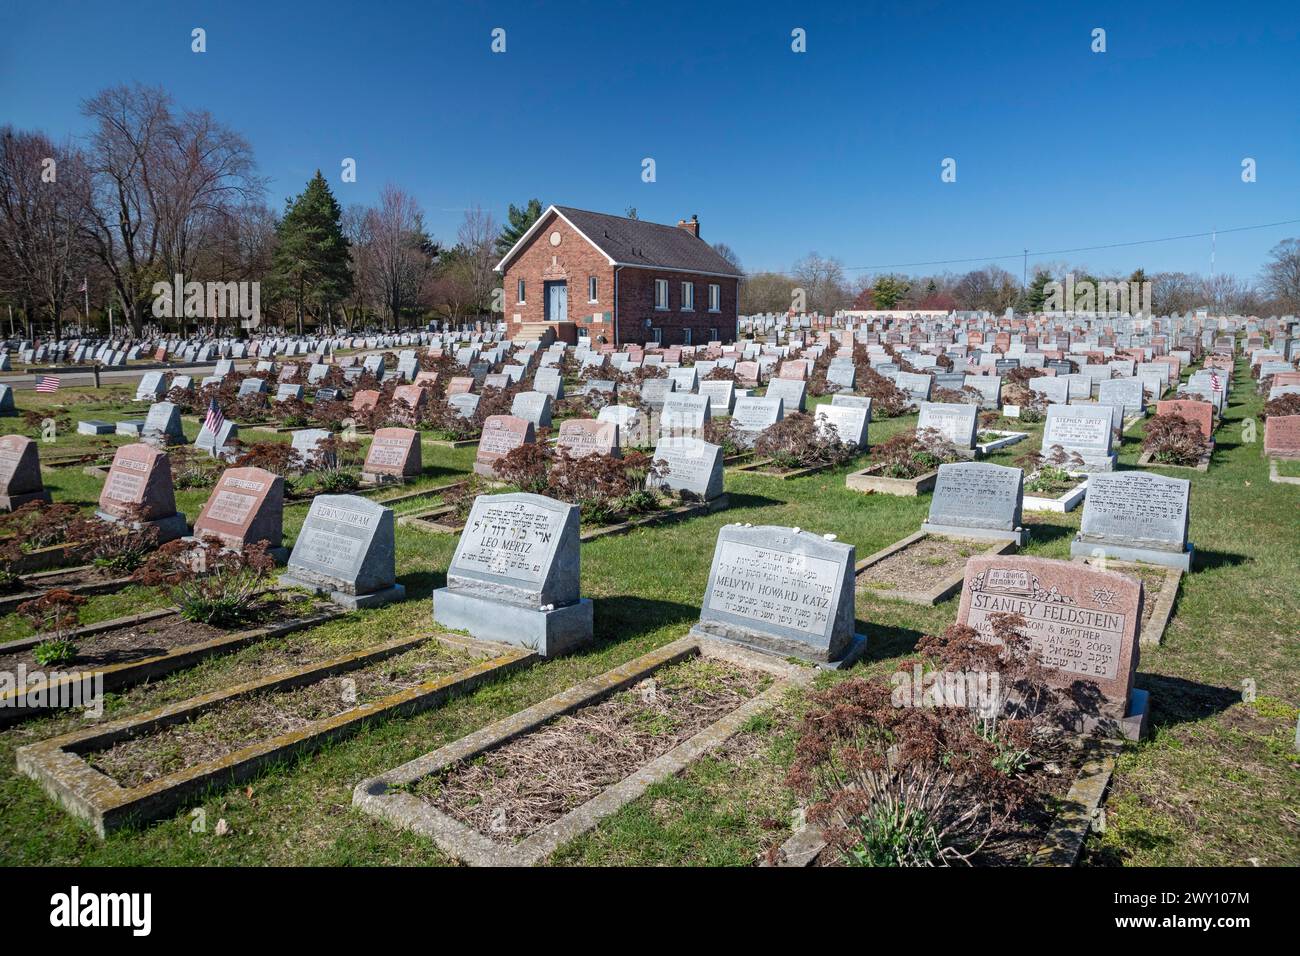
310, 263
521, 220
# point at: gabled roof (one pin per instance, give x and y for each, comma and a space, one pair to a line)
635, 242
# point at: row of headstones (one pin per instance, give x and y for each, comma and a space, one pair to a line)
515, 573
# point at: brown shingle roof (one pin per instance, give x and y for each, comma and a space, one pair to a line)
653, 245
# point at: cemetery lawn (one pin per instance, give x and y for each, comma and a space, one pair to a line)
1218, 781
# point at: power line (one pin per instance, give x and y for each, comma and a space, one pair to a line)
1060, 252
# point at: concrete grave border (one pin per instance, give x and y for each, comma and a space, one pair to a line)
1059, 505
937, 594
1275, 476
110, 586
1202, 465
427, 520
384, 796
867, 481
1005, 438
129, 673
58, 766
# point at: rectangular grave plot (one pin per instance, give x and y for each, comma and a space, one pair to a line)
424, 795
130, 650
68, 768
922, 568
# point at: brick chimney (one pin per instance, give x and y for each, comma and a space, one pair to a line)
693, 227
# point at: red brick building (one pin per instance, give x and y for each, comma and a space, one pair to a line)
618, 280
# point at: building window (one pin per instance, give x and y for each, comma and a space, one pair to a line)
715, 297
661, 294
519, 297
688, 296
591, 290
658, 334
686, 340
713, 335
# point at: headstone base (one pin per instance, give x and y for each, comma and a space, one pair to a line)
1020, 536
14, 502
353, 602
549, 633
95, 427
375, 478
1084, 548
769, 644
169, 528
279, 555
1134, 724
1091, 465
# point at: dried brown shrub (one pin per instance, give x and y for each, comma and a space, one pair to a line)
914, 453
797, 441
1174, 440
1282, 406
891, 783
210, 583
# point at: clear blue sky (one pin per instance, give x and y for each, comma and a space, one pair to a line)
836, 150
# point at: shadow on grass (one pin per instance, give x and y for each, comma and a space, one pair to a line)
422, 584
885, 640
1206, 560
440, 471
743, 499
1045, 533
1176, 700
625, 616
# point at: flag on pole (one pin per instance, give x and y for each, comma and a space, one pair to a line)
84, 287
214, 419
47, 383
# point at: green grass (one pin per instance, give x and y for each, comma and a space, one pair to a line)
1217, 782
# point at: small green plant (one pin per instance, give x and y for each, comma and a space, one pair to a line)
894, 834
210, 583
55, 652
55, 613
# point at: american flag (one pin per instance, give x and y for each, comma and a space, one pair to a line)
47, 383
215, 419
1215, 383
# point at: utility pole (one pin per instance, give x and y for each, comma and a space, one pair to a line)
1024, 273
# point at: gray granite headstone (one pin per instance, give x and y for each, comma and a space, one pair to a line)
978, 500
693, 467
684, 415
515, 575
162, 426
534, 407
783, 591
346, 551
956, 422
751, 415
1136, 516
850, 422
1084, 430
791, 391
306, 443
150, 387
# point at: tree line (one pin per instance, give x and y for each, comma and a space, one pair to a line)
826, 288
155, 190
